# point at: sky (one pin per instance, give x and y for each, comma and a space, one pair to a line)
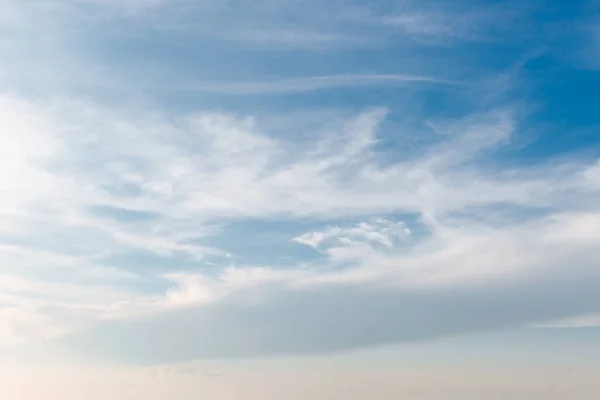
299, 199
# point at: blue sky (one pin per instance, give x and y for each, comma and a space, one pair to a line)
185, 181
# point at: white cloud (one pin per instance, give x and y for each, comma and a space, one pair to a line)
312, 25
375, 231
312, 83
445, 23
457, 283
84, 186
182, 176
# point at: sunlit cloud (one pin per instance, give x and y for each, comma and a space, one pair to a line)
388, 201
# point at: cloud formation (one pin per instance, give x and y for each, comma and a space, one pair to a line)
488, 248
117, 219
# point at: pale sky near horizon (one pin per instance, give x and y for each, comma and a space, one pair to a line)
290, 199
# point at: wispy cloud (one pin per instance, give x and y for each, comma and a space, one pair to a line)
193, 171
295, 25
446, 26
468, 284
379, 230
313, 83
117, 210
583, 321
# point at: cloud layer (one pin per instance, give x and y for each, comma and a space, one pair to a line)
455, 246
162, 227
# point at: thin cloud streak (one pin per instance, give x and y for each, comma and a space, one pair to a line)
314, 83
